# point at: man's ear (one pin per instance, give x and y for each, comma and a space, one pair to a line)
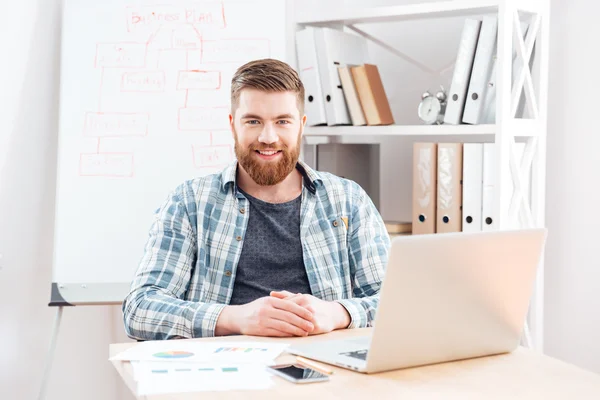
303, 125
231, 122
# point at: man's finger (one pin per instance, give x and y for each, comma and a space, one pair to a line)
290, 306
291, 318
282, 294
301, 300
286, 327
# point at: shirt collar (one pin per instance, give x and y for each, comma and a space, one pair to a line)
311, 177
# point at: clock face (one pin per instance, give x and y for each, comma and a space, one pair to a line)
429, 109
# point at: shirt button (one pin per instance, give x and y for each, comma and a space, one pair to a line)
242, 210
335, 223
239, 238
227, 273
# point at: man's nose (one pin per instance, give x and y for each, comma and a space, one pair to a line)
268, 135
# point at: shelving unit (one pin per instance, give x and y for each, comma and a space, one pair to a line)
518, 205
522, 128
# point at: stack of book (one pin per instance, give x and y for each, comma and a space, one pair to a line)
342, 87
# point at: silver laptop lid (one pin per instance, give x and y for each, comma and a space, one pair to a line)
453, 296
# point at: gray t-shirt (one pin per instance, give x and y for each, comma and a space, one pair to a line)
271, 256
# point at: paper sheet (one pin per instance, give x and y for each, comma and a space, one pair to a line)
176, 377
207, 352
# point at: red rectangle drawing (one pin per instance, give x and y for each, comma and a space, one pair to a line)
116, 124
120, 55
199, 80
143, 81
212, 156
234, 50
203, 118
186, 37
154, 16
206, 14
106, 164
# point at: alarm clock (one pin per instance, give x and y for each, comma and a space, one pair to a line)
432, 108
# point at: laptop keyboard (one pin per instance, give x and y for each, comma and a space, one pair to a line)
359, 354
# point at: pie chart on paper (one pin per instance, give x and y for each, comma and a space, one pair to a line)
173, 354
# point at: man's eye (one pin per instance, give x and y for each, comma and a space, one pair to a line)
283, 122
253, 122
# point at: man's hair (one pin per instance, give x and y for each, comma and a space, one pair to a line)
267, 75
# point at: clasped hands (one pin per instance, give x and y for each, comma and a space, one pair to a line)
283, 314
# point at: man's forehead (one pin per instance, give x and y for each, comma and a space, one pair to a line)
267, 104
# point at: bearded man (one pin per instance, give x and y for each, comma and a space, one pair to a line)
266, 247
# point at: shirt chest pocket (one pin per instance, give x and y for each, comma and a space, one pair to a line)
326, 243
329, 239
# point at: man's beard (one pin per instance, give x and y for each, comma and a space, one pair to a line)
267, 173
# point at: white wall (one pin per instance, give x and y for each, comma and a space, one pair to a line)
30, 42
572, 298
81, 370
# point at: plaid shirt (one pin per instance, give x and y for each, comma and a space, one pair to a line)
187, 273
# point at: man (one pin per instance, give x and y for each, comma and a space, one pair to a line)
268, 246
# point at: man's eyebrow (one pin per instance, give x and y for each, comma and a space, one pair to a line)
285, 116
252, 116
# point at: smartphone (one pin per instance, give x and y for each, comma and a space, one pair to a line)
298, 373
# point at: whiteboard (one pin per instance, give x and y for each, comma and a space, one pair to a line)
144, 104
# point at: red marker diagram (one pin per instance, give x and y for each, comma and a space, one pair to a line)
203, 118
177, 52
143, 81
120, 55
149, 17
234, 50
116, 124
106, 164
199, 80
212, 156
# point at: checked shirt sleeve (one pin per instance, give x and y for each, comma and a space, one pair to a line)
154, 308
369, 245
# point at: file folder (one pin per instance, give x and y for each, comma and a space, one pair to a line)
449, 187
424, 188
472, 186
482, 69
336, 48
488, 113
462, 72
489, 179
308, 69
489, 186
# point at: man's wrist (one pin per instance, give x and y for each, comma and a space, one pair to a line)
226, 323
342, 316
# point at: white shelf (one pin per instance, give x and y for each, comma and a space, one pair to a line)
506, 206
456, 8
523, 128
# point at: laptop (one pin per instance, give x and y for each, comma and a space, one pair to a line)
445, 297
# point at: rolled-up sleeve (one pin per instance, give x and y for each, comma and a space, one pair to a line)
155, 307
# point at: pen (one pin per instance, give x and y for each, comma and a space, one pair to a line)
311, 364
